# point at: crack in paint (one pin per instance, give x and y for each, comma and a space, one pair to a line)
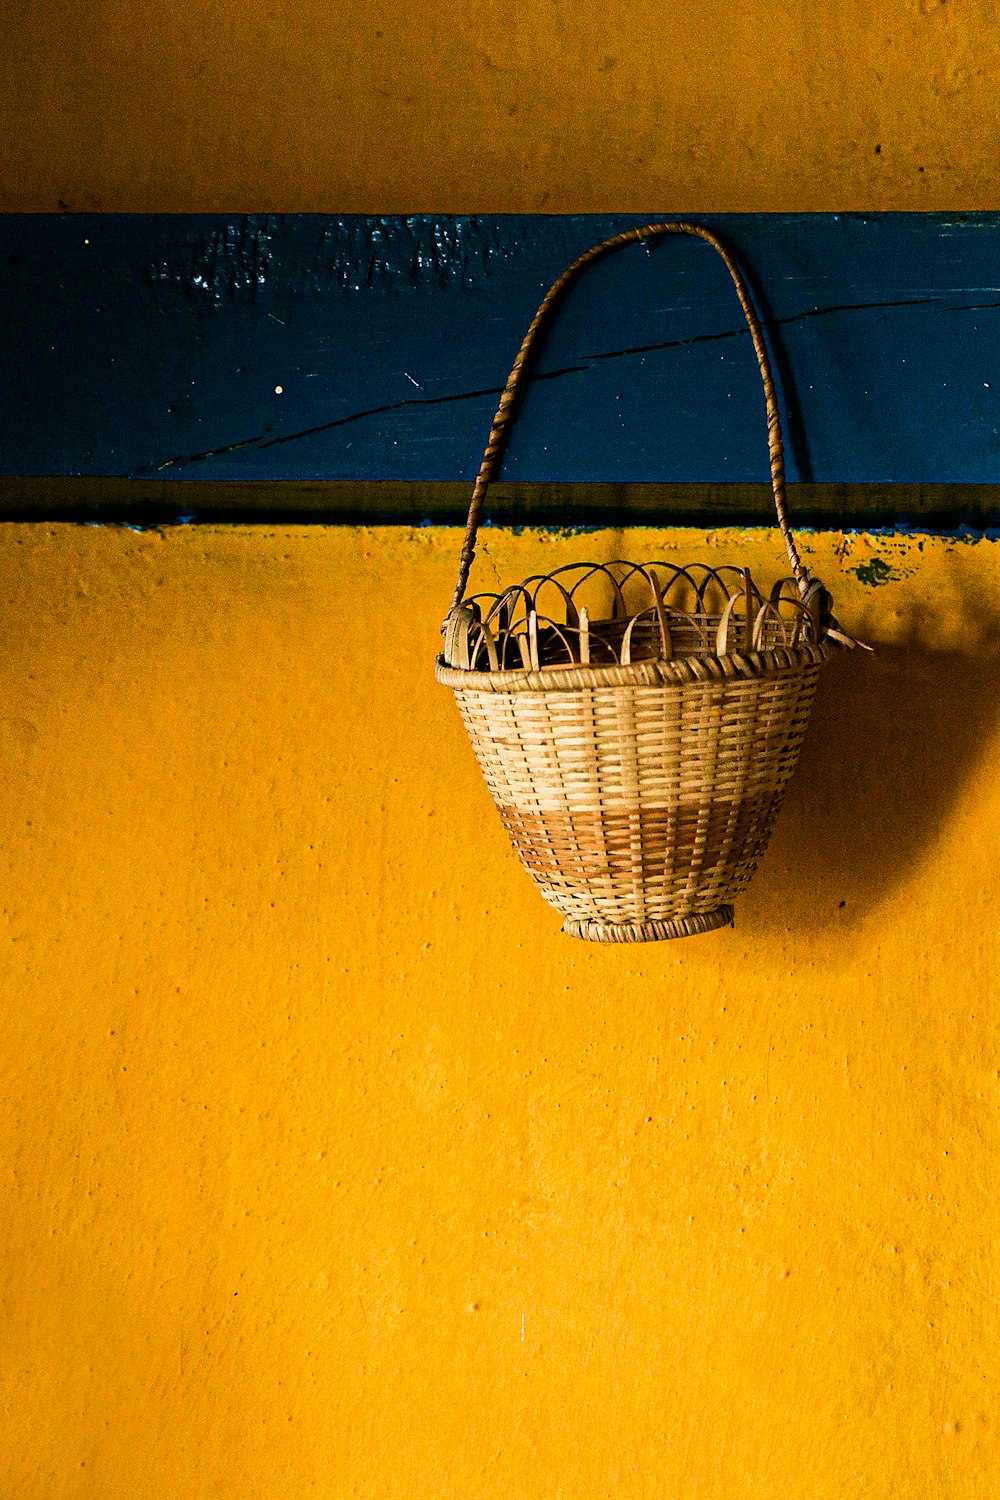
262, 441
816, 312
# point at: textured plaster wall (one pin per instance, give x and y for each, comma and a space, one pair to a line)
377, 106
331, 1168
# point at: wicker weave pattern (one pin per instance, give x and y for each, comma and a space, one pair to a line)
645, 803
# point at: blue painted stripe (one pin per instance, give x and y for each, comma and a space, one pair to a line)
153, 346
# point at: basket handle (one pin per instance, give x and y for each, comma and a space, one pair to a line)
503, 421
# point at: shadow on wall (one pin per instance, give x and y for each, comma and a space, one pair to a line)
892, 740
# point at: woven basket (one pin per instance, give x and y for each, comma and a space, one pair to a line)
637, 724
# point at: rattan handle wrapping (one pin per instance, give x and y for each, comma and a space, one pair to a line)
503, 421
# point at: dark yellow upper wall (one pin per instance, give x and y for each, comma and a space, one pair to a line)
548, 106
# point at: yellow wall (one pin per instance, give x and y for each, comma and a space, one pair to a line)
331, 1168
378, 106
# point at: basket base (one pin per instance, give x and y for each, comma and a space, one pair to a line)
648, 932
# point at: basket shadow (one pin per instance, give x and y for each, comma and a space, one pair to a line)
892, 739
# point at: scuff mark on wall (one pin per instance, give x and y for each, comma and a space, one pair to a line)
221, 263
406, 254
349, 254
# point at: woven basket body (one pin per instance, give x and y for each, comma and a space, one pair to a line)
642, 809
638, 761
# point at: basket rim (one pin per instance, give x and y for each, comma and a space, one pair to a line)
682, 670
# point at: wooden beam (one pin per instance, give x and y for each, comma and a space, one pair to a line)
314, 350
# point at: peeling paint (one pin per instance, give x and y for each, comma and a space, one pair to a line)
875, 573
